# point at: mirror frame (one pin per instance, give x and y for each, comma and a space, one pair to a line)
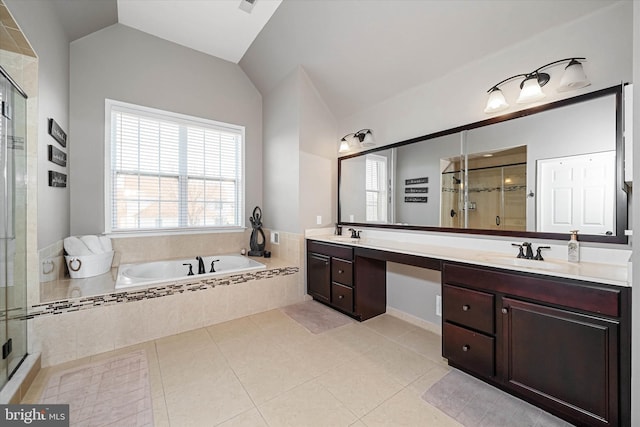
620, 193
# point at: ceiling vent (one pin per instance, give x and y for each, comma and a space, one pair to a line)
247, 5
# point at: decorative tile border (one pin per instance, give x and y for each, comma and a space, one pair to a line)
158, 291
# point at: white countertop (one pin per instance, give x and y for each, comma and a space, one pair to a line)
611, 274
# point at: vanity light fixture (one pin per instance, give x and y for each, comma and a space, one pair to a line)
574, 77
364, 138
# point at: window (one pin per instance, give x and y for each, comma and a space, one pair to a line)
167, 171
375, 187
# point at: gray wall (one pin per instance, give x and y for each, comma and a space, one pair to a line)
299, 156
127, 65
47, 37
413, 290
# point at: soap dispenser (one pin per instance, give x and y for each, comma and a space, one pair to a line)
573, 248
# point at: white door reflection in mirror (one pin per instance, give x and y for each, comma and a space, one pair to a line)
578, 192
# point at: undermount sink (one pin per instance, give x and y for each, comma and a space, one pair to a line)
343, 239
528, 263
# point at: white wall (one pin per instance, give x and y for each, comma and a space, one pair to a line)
47, 37
281, 156
127, 65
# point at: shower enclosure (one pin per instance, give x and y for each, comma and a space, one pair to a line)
13, 209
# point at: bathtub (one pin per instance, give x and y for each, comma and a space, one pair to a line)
150, 273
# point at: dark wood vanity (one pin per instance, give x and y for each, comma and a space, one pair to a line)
561, 344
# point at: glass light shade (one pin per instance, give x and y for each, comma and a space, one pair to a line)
344, 146
573, 77
368, 140
496, 102
531, 91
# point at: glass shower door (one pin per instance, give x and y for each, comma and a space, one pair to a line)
13, 280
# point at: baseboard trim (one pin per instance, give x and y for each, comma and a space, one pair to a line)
410, 318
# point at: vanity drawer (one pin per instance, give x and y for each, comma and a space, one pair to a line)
342, 271
342, 297
469, 308
339, 251
468, 349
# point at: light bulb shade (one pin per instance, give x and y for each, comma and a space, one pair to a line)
531, 91
367, 140
496, 102
344, 146
574, 77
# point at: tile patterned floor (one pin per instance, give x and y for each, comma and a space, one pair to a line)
267, 370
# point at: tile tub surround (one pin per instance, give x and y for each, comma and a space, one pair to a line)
73, 328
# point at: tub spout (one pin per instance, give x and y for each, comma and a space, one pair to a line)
201, 269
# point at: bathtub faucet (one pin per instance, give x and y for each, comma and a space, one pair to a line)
201, 269
213, 270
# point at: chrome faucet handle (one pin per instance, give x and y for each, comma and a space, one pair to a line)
538, 256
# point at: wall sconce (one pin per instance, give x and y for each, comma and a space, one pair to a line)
364, 138
531, 86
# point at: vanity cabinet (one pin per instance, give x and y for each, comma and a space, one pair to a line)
336, 276
561, 344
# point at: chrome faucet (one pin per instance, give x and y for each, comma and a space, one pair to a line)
355, 234
201, 269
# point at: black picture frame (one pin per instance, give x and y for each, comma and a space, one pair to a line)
415, 199
413, 181
413, 190
57, 133
56, 156
57, 179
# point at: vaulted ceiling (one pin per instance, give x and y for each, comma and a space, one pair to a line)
357, 52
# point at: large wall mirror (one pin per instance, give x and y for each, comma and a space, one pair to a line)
536, 173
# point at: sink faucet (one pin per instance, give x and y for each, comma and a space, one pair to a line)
523, 246
354, 234
201, 269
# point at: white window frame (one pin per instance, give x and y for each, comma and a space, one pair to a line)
381, 206
183, 119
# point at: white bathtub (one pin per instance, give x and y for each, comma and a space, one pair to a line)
150, 273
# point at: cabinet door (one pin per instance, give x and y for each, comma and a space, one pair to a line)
565, 361
318, 276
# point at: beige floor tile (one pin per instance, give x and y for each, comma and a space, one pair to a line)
424, 342
429, 378
266, 379
356, 337
160, 415
207, 401
403, 364
307, 405
186, 342
177, 372
271, 318
358, 424
234, 330
389, 326
407, 409
359, 385
250, 418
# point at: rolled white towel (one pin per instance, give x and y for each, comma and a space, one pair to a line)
106, 243
76, 247
93, 243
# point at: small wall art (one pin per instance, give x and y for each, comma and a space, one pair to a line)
415, 199
413, 181
410, 190
57, 133
56, 156
57, 179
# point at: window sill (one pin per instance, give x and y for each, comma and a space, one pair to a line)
152, 233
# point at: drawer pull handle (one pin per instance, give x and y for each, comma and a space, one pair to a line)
505, 310
340, 296
465, 307
466, 347
340, 271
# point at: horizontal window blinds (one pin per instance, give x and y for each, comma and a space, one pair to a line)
171, 173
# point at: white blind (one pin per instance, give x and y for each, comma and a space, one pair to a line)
173, 172
375, 188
